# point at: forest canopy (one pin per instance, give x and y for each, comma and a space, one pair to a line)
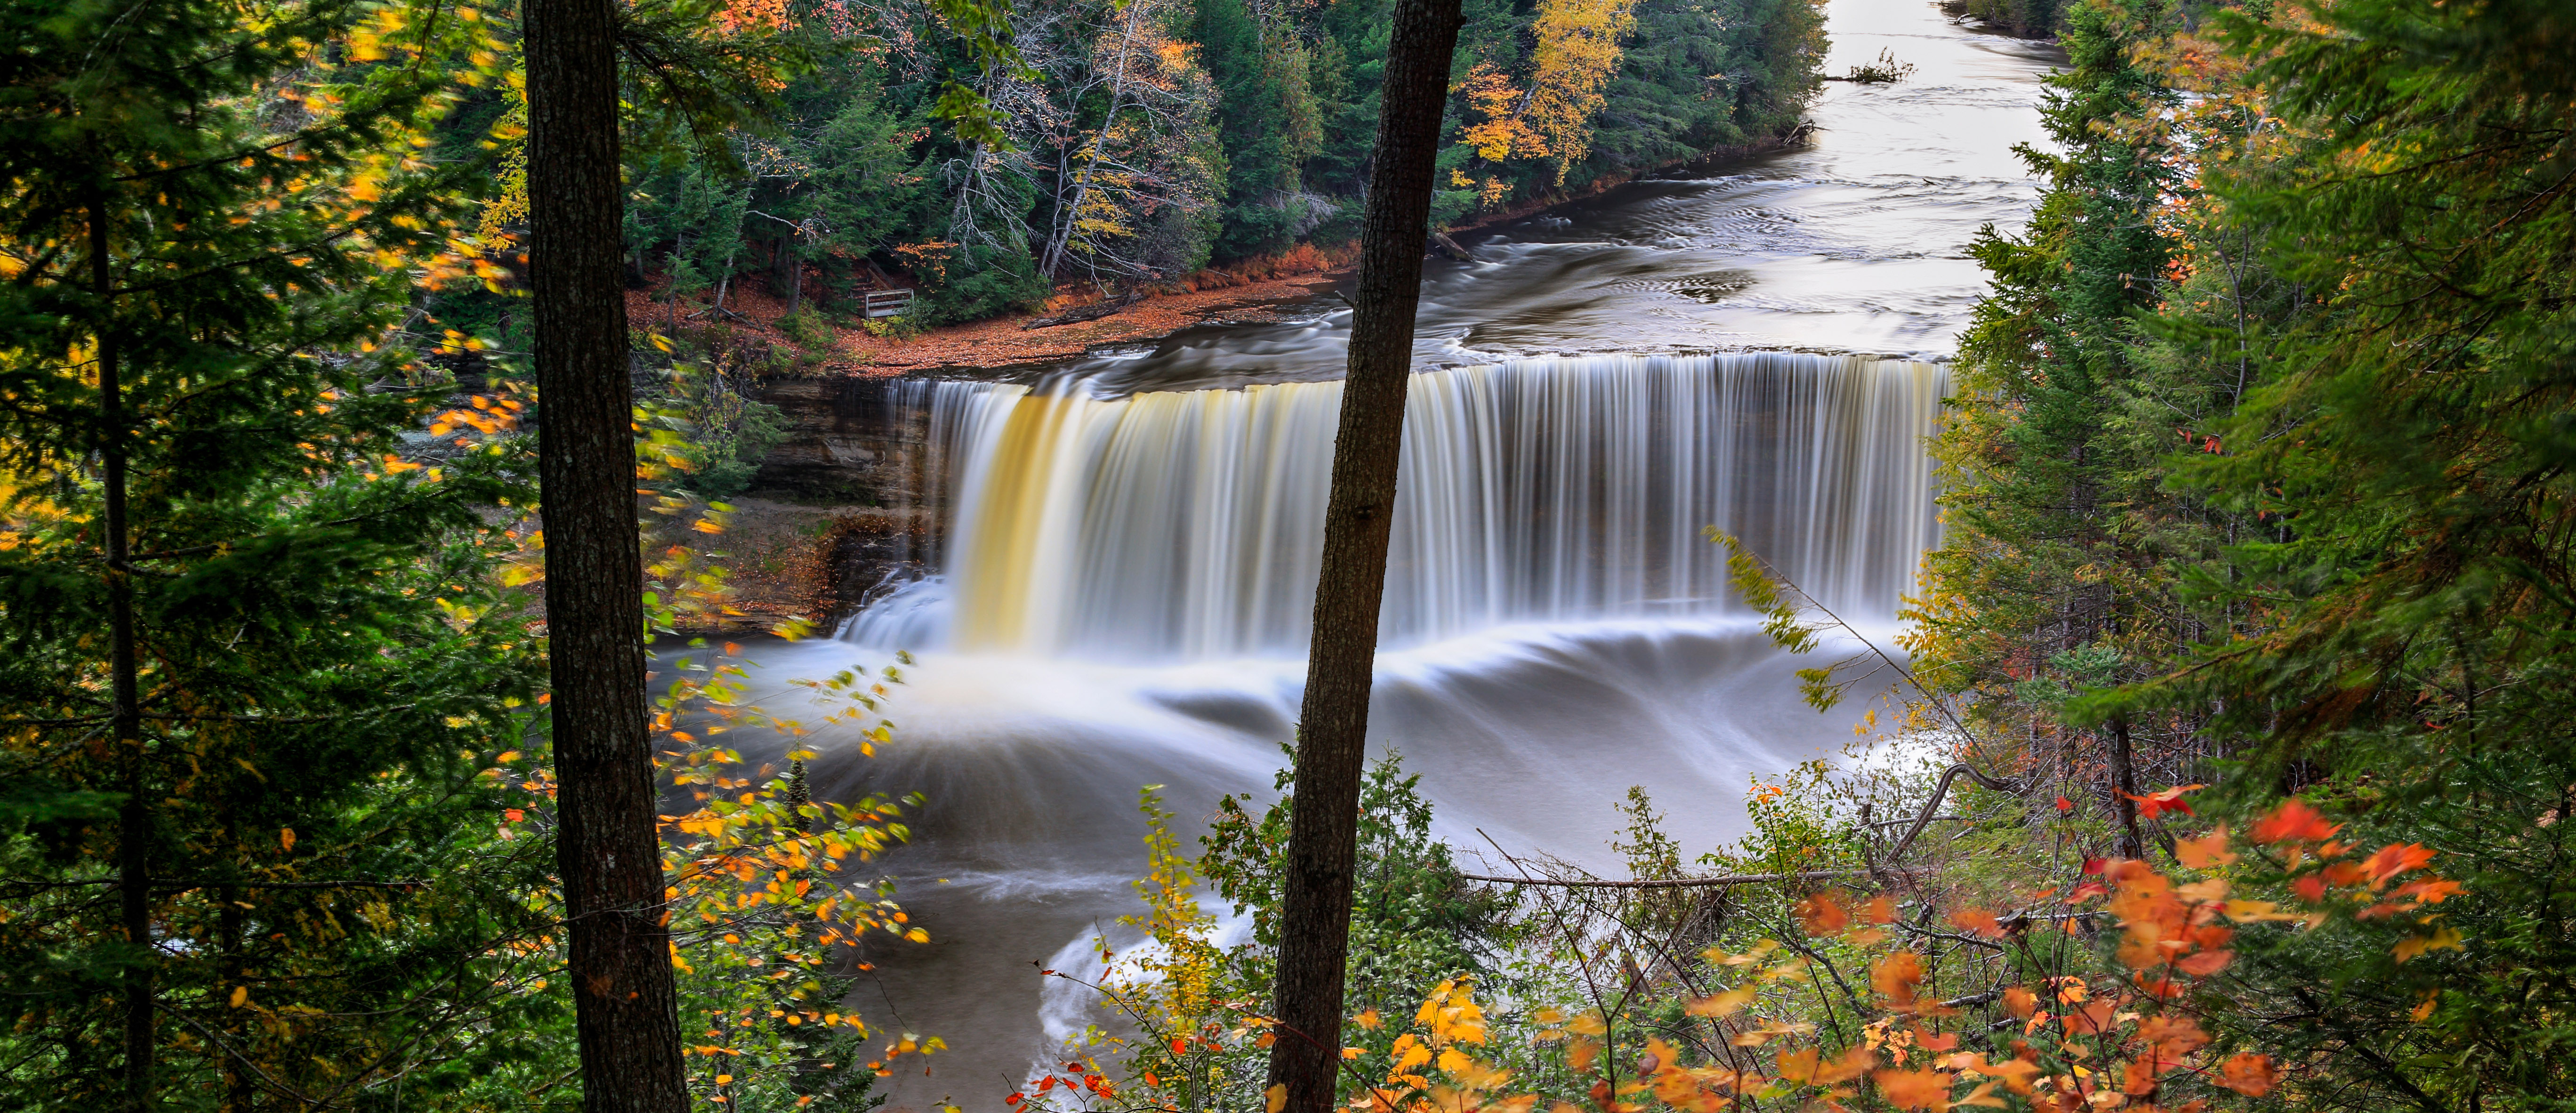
1134, 143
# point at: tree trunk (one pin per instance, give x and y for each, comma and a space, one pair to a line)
671, 310
625, 1007
791, 271
2123, 769
134, 816
1333, 723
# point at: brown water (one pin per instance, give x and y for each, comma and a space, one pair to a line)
1129, 614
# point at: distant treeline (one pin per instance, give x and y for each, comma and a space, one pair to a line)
1146, 140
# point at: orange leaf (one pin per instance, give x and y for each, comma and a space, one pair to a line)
2020, 1002
2248, 1074
2016, 1073
2206, 851
1878, 911
1821, 914
2395, 858
1799, 1066
1853, 1064
2138, 1079
1978, 921
2294, 820
2172, 1036
2205, 963
1896, 976
1914, 1089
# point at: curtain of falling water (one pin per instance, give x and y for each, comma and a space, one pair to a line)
1183, 525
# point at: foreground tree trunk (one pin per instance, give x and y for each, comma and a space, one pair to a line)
134, 816
1333, 725
609, 855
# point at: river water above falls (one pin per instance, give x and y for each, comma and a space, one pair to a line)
1120, 598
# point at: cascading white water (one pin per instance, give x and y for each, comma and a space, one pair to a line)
1182, 524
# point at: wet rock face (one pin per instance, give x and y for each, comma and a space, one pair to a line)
870, 553
851, 441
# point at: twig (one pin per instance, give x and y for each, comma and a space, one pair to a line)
1674, 883
1924, 819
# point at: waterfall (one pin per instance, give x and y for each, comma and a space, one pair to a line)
1187, 524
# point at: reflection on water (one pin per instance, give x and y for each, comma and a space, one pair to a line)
1123, 591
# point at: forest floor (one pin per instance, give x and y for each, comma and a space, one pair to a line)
1204, 298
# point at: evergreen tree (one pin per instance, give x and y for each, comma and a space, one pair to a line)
252, 657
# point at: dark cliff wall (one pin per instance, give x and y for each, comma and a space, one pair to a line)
853, 442
860, 450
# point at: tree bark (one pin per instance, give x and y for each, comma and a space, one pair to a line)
625, 1007
2123, 770
134, 816
1333, 723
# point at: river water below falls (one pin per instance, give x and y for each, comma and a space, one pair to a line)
1121, 597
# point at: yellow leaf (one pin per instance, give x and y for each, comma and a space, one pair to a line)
1984, 1096
241, 995
2443, 938
2206, 851
1722, 1004
286, 838
1275, 1098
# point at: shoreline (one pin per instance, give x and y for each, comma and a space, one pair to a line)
1001, 342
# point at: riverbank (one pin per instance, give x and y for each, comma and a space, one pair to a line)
1253, 293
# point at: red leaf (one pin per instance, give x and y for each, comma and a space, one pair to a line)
2165, 800
2065, 805
2396, 858
2294, 819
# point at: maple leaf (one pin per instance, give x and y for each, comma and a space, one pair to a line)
2442, 939
1905, 1089
2393, 859
1895, 978
2248, 1074
2165, 800
2205, 963
1798, 1066
2172, 1036
2204, 852
1821, 914
1721, 1004
2294, 820
2431, 890
1978, 921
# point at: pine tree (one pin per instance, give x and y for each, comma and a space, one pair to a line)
250, 655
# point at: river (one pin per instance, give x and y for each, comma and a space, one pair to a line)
1122, 595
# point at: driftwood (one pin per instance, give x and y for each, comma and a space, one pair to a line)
1449, 247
